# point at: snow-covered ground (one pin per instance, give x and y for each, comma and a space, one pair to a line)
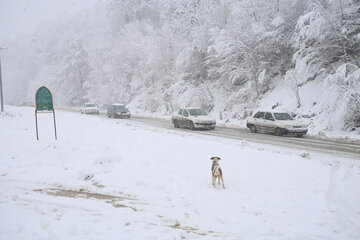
114, 179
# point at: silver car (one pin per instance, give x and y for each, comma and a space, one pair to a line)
279, 123
89, 108
193, 118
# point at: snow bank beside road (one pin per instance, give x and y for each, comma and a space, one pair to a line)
110, 179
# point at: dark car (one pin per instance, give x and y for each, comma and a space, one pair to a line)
118, 110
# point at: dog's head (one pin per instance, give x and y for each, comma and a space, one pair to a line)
215, 159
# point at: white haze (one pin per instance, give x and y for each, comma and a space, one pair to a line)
224, 56
23, 16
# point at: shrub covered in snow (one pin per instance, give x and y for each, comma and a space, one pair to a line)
341, 98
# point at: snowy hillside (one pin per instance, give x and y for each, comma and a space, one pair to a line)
114, 179
224, 56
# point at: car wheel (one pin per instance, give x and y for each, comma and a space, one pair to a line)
176, 124
299, 135
253, 129
191, 126
278, 132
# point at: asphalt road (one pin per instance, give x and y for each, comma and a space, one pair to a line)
333, 147
342, 148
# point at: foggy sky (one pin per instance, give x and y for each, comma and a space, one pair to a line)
14, 20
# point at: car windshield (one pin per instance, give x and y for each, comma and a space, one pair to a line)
283, 116
119, 107
90, 105
197, 112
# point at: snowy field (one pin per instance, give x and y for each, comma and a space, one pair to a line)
115, 179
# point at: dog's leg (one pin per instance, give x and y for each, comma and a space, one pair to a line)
222, 180
213, 180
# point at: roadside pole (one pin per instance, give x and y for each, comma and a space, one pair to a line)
1, 86
1, 89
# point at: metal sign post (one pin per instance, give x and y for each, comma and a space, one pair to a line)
44, 104
1, 88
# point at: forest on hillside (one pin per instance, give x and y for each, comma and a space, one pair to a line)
221, 55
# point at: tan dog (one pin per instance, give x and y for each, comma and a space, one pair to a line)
216, 171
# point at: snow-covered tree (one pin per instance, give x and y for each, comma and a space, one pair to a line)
74, 79
341, 97
326, 36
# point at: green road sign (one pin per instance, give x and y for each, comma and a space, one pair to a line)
44, 100
44, 103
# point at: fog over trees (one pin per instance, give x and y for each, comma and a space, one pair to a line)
221, 55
